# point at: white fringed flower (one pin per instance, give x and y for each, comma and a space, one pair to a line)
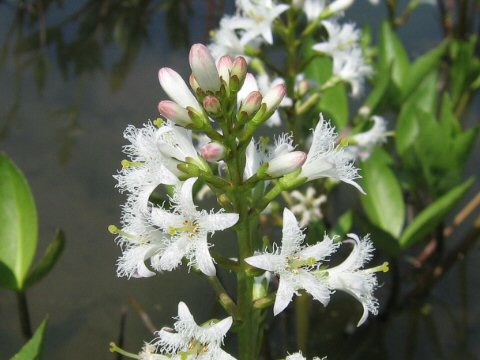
294, 263
147, 167
365, 142
325, 159
189, 229
348, 61
257, 18
350, 278
225, 40
190, 341
308, 205
140, 241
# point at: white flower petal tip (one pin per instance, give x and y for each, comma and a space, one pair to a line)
203, 68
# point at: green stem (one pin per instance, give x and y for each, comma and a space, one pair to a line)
24, 315
225, 300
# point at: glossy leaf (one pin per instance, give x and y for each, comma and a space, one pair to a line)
383, 204
433, 215
32, 350
48, 260
18, 226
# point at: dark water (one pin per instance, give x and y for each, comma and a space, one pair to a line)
66, 135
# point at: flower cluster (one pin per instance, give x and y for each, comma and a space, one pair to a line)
304, 268
208, 137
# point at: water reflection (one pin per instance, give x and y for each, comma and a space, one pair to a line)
77, 75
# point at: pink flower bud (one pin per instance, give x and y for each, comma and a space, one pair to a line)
239, 68
203, 68
274, 97
212, 105
176, 89
213, 151
286, 163
224, 66
172, 111
252, 103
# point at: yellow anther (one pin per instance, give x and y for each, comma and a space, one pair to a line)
113, 230
158, 122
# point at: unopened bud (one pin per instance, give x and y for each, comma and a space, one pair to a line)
252, 103
194, 84
286, 163
224, 67
213, 151
212, 105
239, 70
172, 111
274, 97
340, 5
302, 87
204, 68
298, 4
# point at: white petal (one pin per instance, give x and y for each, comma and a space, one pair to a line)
219, 221
216, 332
165, 219
203, 259
320, 250
174, 253
315, 287
185, 199
284, 296
269, 262
292, 235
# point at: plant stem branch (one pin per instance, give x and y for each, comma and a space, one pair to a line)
24, 315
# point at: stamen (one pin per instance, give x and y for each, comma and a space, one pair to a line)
191, 228
158, 122
127, 163
295, 262
115, 348
380, 268
116, 231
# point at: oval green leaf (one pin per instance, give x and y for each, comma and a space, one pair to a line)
383, 203
18, 226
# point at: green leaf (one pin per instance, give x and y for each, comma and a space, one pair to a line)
18, 226
376, 96
383, 203
48, 260
421, 67
407, 129
393, 54
33, 348
433, 215
334, 105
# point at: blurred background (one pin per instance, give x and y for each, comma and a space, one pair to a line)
73, 75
